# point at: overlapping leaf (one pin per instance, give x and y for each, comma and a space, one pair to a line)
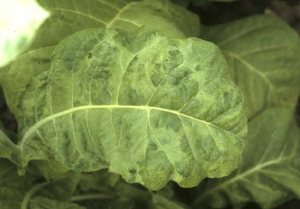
263, 55
269, 172
22, 192
147, 107
8, 149
17, 33
12, 199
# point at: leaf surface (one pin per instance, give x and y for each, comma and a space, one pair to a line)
263, 55
270, 169
147, 107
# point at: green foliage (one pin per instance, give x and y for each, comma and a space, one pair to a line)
117, 100
269, 177
262, 53
122, 96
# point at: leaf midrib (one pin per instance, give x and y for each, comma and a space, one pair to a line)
47, 119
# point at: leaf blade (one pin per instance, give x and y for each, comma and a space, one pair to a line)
149, 106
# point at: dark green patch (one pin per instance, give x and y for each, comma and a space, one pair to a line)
198, 68
152, 146
187, 73
128, 138
174, 125
105, 74
156, 79
226, 96
132, 171
174, 52
184, 146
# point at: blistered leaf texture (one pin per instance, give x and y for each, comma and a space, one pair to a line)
269, 172
142, 105
263, 55
68, 17
19, 21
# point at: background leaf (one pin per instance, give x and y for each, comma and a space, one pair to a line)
269, 172
8, 149
17, 33
160, 202
263, 55
9, 177
15, 189
41, 203
147, 115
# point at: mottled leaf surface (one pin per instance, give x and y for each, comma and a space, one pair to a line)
263, 55
16, 76
68, 17
147, 107
269, 172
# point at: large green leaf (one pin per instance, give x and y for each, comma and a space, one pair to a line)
269, 172
146, 106
263, 55
71, 16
